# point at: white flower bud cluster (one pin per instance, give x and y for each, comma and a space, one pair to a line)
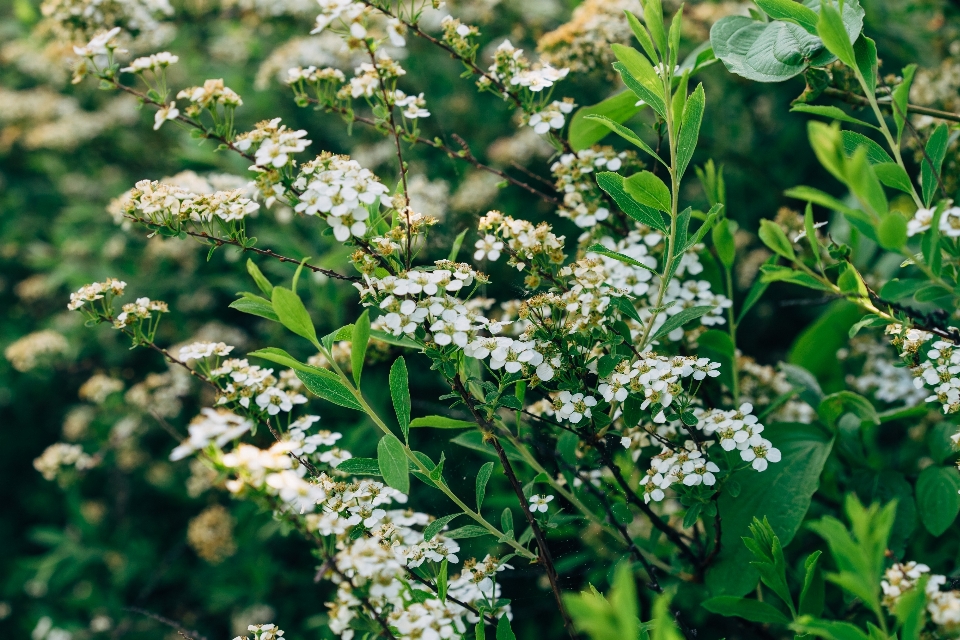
657, 378
212, 426
213, 93
275, 144
313, 75
514, 355
162, 203
523, 238
907, 340
553, 116
942, 606
154, 62
512, 68
59, 455
263, 632
348, 12
341, 189
204, 350
95, 291
941, 372
413, 107
367, 78
685, 465
456, 34
139, 311
739, 429
246, 382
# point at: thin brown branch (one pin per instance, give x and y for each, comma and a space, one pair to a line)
852, 98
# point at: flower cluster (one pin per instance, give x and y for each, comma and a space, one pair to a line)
456, 35
685, 465
275, 144
263, 632
369, 79
348, 12
553, 116
941, 372
59, 455
573, 174
31, 350
139, 311
96, 291
154, 62
526, 356
210, 95
512, 68
169, 204
943, 606
342, 190
212, 426
524, 239
244, 382
83, 18
949, 224
657, 379
739, 429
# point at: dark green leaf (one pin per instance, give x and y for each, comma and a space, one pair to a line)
359, 340
812, 594
292, 314
467, 531
441, 422
689, 129
255, 306
834, 113
393, 463
612, 183
328, 386
432, 529
938, 498
360, 467
752, 610
483, 476
936, 149
586, 132
676, 321
626, 134
504, 632
649, 190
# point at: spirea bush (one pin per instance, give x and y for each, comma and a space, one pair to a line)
432, 405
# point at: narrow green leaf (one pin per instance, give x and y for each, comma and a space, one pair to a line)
776, 240
724, 243
690, 129
812, 593
506, 520
643, 37
901, 94
442, 580
790, 11
936, 150
259, 278
358, 345
273, 354
810, 194
650, 96
613, 184
360, 466
865, 51
680, 319
467, 531
653, 16
707, 225
255, 306
457, 243
393, 463
626, 134
585, 132
834, 113
432, 529
603, 251
293, 314
328, 386
400, 394
831, 30
441, 422
483, 477
752, 610
649, 190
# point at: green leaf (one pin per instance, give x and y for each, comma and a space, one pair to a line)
689, 129
328, 386
757, 290
810, 194
832, 31
626, 134
782, 494
940, 443
836, 404
613, 185
864, 183
360, 466
393, 463
790, 11
865, 51
834, 113
255, 306
506, 520
483, 477
400, 394
649, 190
892, 232
442, 580
830, 630
938, 498
504, 632
900, 96
280, 356
293, 315
762, 51
643, 37
752, 610
653, 16
680, 319
724, 242
776, 240
432, 529
441, 422
910, 610
649, 95
936, 150
853, 141
467, 531
586, 131
358, 344
259, 278
894, 176
603, 251
812, 594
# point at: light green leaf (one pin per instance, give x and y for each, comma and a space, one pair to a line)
864, 183
393, 463
457, 243
280, 356
836, 404
359, 340
853, 141
483, 476
432, 529
603, 251
689, 129
441, 422
653, 16
293, 315
790, 11
892, 232
810, 194
723, 242
648, 93
504, 632
834, 113
613, 185
752, 610
255, 306
776, 239
900, 96
259, 278
643, 37
938, 500
676, 321
626, 134
649, 190
832, 31
812, 593
400, 394
585, 131
936, 150
328, 386
830, 630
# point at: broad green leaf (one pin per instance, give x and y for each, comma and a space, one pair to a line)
689, 129
834, 113
441, 422
790, 11
623, 600
776, 239
782, 494
393, 463
752, 610
851, 282
652, 97
830, 630
259, 278
649, 190
506, 520
292, 314
853, 141
328, 386
255, 306
400, 394
724, 243
483, 477
585, 131
938, 500
893, 175
360, 466
613, 184
836, 404
896, 289
865, 51
642, 35
626, 134
864, 183
827, 145
832, 31
676, 321
504, 632
892, 232
359, 340
940, 443
900, 96
432, 529
936, 149
603, 251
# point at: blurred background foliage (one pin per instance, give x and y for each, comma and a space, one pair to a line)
138, 532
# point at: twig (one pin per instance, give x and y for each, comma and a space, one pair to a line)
173, 624
852, 98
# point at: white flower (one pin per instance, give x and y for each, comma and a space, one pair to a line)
920, 222
169, 112
488, 247
760, 451
950, 222
539, 503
